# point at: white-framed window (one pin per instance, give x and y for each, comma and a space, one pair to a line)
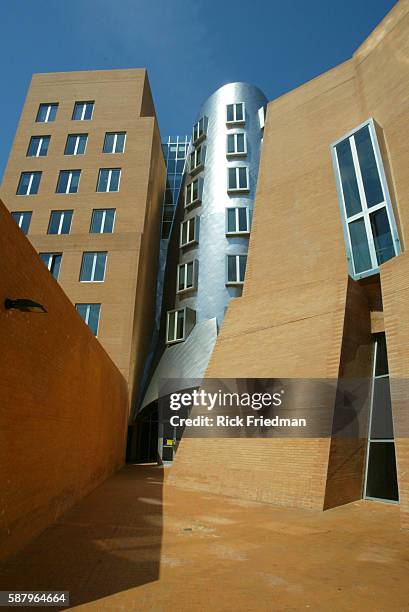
235, 113
238, 178
199, 130
370, 230
175, 326
186, 276
53, 262
262, 117
90, 313
102, 221
193, 192
236, 269
23, 220
93, 267
114, 142
236, 144
108, 179
29, 183
76, 144
38, 146
68, 181
60, 222
237, 220
197, 157
83, 111
189, 231
47, 112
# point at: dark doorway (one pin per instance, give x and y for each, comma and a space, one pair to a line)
142, 442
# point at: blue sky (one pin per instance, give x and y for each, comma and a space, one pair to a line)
190, 47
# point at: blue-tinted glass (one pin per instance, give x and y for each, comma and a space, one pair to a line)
63, 181
100, 267
88, 110
242, 266
231, 219
55, 265
240, 143
243, 178
96, 221
171, 166
120, 142
42, 113
77, 114
109, 221
369, 170
38, 146
23, 220
74, 181
103, 180
46, 113
231, 268
243, 219
109, 143
36, 182
348, 178
53, 112
93, 317
360, 249
44, 146
180, 164
82, 310
114, 180
66, 224
181, 150
382, 235
86, 268
102, 223
33, 146
70, 146
54, 222
230, 112
232, 178
24, 183
230, 143
239, 112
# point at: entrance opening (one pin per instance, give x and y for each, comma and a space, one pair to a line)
142, 443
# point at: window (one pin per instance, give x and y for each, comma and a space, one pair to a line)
46, 113
68, 181
193, 193
199, 130
186, 276
83, 111
236, 144
237, 220
90, 313
29, 183
108, 179
53, 262
235, 113
369, 224
102, 221
238, 178
197, 159
60, 222
38, 146
236, 268
93, 267
262, 117
189, 231
175, 327
114, 142
23, 220
76, 144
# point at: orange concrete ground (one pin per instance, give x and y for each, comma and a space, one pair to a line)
136, 544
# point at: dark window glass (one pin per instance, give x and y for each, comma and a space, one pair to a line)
180, 164
29, 183
381, 423
192, 230
382, 482
232, 178
243, 219
381, 366
76, 144
90, 314
82, 111
60, 222
46, 113
243, 178
120, 142
360, 249
23, 220
189, 272
369, 170
230, 143
114, 180
231, 268
230, 112
181, 285
93, 266
231, 219
240, 143
38, 146
68, 181
102, 221
53, 262
109, 143
242, 266
171, 326
382, 235
179, 332
348, 178
239, 112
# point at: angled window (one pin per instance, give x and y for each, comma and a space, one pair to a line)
29, 183
90, 313
262, 117
193, 192
60, 222
189, 231
175, 326
114, 142
235, 113
199, 130
38, 146
236, 144
53, 262
238, 178
236, 268
102, 221
237, 220
197, 157
68, 181
23, 220
109, 179
186, 276
76, 144
93, 267
47, 112
83, 111
369, 225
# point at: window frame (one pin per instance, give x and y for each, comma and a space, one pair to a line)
104, 211
176, 339
236, 153
84, 103
77, 141
237, 256
189, 190
115, 134
195, 220
199, 132
109, 180
236, 121
94, 265
67, 191
40, 144
21, 213
193, 287
52, 255
61, 221
237, 231
200, 150
49, 106
32, 173
238, 189
86, 320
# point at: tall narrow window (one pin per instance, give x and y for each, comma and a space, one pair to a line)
236, 269
46, 113
60, 222
29, 183
68, 181
53, 262
23, 220
91, 314
93, 267
102, 221
186, 276
369, 224
76, 144
197, 159
38, 146
235, 113
189, 231
175, 327
193, 192
114, 142
238, 179
109, 179
199, 130
237, 220
83, 111
236, 144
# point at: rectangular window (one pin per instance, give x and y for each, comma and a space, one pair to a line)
102, 221
237, 220
109, 179
53, 262
68, 181
60, 222
199, 130
90, 313
46, 113
114, 142
235, 113
186, 276
236, 268
238, 178
38, 146
23, 220
189, 231
197, 159
369, 224
29, 183
193, 193
83, 111
175, 326
236, 144
93, 267
76, 144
